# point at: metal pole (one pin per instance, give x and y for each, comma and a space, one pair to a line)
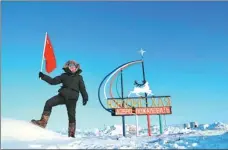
122, 94
148, 116
45, 40
160, 124
137, 125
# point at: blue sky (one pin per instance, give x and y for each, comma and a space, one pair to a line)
186, 46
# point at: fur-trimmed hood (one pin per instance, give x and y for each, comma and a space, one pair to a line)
66, 67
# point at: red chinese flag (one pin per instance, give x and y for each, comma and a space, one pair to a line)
49, 55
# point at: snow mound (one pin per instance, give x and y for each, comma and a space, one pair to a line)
118, 129
25, 131
203, 127
213, 126
218, 126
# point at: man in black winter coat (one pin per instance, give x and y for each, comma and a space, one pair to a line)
72, 85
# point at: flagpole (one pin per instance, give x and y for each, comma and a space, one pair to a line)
43, 52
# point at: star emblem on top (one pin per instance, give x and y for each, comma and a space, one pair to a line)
142, 52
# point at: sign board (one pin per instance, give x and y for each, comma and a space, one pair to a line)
143, 111
157, 105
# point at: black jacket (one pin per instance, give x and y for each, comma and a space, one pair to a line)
72, 84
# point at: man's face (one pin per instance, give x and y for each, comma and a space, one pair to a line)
73, 68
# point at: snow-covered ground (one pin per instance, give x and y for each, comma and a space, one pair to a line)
26, 135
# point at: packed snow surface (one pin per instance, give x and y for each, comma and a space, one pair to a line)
18, 134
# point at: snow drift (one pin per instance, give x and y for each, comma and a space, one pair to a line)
22, 134
25, 131
17, 134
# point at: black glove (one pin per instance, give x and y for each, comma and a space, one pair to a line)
41, 75
84, 102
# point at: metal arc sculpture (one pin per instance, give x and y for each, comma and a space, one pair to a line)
109, 76
128, 106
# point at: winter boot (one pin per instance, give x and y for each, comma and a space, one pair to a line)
71, 130
43, 121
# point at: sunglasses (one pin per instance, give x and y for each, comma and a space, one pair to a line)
73, 65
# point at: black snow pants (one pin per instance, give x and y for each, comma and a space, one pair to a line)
60, 100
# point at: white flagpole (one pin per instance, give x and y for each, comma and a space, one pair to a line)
43, 52
137, 125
